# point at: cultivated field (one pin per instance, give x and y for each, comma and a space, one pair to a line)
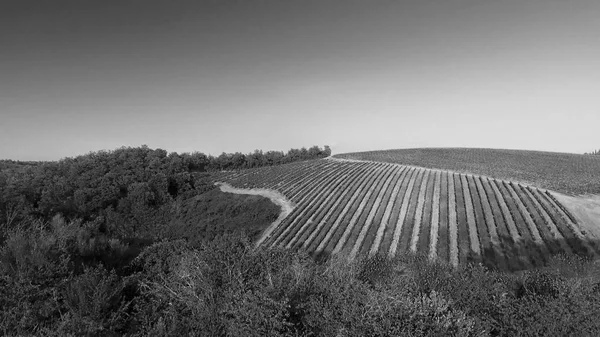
360, 208
563, 172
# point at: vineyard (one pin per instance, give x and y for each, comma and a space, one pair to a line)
563, 172
364, 208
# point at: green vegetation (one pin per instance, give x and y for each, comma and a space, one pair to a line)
562, 172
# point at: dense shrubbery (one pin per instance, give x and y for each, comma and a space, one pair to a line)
69, 230
127, 191
225, 287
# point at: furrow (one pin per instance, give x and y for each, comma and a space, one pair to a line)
308, 191
543, 229
345, 190
317, 204
419, 212
463, 239
532, 255
409, 221
487, 251
298, 179
435, 217
573, 225
374, 208
340, 244
377, 220
387, 212
402, 216
474, 238
512, 227
282, 179
535, 234
452, 221
574, 239
357, 191
387, 236
443, 250
312, 198
513, 241
548, 221
490, 220
314, 181
425, 228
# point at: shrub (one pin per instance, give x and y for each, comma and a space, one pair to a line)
94, 300
375, 270
540, 283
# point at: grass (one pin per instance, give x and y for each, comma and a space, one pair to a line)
563, 172
215, 213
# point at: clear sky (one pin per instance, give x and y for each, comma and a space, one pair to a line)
214, 76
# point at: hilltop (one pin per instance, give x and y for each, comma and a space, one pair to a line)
562, 172
358, 208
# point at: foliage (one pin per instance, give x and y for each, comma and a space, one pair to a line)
258, 158
215, 213
226, 287
127, 191
84, 256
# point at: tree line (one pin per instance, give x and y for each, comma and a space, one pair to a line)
597, 152
126, 189
258, 158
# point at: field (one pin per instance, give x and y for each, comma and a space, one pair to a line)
563, 172
363, 208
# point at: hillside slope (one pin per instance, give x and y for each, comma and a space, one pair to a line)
563, 172
365, 208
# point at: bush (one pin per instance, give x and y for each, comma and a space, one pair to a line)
540, 283
94, 300
375, 270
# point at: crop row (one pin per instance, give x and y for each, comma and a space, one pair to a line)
366, 208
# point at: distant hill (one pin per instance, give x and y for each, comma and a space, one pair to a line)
563, 172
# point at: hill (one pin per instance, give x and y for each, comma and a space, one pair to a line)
364, 208
563, 172
135, 242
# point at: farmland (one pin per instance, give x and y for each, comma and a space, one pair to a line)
115, 242
360, 208
562, 172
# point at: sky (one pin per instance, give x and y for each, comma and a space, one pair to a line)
228, 76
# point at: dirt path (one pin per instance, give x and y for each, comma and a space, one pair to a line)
277, 198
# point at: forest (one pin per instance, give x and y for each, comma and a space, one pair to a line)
139, 242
